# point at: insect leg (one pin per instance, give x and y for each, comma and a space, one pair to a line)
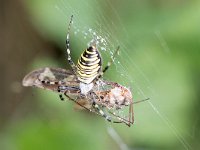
131, 114
141, 100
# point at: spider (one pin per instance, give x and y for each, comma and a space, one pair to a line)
83, 84
88, 70
89, 67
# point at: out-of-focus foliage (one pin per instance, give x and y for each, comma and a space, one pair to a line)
160, 49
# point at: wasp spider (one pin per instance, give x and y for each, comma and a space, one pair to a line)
89, 66
82, 84
88, 69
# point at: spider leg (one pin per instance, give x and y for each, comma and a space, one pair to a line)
107, 117
101, 112
122, 120
75, 100
111, 60
72, 64
48, 82
61, 97
131, 114
109, 63
64, 89
98, 112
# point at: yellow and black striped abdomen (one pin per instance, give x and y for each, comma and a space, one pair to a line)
89, 65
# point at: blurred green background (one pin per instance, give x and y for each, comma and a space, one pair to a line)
159, 58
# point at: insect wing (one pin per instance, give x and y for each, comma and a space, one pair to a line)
50, 78
82, 104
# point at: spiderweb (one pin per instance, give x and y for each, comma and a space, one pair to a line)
133, 67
